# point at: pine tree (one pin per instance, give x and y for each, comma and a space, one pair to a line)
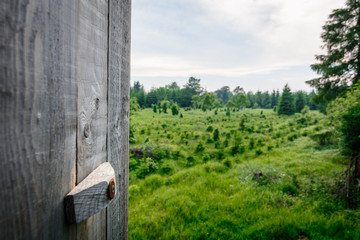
299, 101
286, 103
340, 66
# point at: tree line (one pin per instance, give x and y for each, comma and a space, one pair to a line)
193, 95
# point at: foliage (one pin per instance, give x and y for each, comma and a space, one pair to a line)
345, 115
134, 106
324, 137
199, 148
175, 109
299, 101
286, 103
208, 101
224, 94
194, 85
164, 105
219, 194
340, 66
216, 135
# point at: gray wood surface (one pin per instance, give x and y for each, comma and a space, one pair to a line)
37, 117
92, 85
91, 195
51, 51
92, 100
118, 113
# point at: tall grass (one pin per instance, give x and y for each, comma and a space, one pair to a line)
270, 181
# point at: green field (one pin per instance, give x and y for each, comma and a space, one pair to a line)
263, 177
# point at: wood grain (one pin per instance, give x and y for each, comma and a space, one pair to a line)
38, 117
118, 113
92, 101
43, 69
91, 195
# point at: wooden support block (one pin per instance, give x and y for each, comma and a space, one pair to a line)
92, 195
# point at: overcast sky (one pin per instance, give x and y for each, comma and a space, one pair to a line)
255, 44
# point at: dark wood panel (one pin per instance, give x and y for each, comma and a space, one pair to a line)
118, 114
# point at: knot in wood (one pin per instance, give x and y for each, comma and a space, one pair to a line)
87, 130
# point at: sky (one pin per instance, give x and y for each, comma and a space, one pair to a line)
254, 44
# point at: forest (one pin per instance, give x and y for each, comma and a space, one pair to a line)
233, 164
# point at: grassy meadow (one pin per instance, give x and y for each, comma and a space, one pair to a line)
248, 175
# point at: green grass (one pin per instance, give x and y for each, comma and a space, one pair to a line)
269, 181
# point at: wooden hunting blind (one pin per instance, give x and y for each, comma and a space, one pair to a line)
64, 118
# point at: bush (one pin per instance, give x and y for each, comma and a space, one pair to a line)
199, 148
216, 135
133, 164
228, 163
190, 160
324, 137
209, 129
292, 137
290, 189
251, 143
175, 109
206, 158
258, 152
147, 166
234, 150
166, 169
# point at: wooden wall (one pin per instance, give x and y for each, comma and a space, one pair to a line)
64, 109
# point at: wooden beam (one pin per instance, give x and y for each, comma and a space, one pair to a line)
118, 114
92, 195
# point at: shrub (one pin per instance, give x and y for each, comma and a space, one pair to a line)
175, 109
251, 143
234, 150
146, 167
206, 158
209, 129
292, 137
226, 143
228, 163
166, 169
228, 113
270, 147
199, 148
190, 160
258, 152
324, 137
219, 155
216, 135
290, 189
133, 164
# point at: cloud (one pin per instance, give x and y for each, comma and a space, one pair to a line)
226, 38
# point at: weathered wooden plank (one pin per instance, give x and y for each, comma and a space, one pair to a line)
118, 113
38, 117
93, 194
92, 101
92, 85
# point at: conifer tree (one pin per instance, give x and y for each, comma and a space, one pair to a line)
286, 103
299, 101
340, 66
